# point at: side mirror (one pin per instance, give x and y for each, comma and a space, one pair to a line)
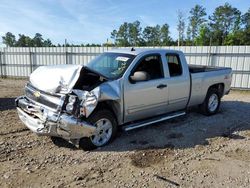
139, 76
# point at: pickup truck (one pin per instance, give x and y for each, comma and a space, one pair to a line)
127, 88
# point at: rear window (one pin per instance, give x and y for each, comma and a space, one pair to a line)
174, 65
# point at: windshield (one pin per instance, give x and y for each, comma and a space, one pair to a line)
111, 65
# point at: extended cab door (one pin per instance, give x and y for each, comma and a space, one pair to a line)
148, 98
178, 81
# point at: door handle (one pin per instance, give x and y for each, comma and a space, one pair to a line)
161, 86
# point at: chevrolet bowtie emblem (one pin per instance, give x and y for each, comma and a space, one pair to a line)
37, 94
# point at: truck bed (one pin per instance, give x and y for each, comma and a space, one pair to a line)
202, 77
203, 68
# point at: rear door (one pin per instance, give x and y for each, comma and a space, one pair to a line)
146, 98
178, 81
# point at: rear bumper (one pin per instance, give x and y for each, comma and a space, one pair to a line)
46, 123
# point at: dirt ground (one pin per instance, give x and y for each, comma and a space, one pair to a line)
193, 151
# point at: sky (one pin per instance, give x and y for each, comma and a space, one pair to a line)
92, 21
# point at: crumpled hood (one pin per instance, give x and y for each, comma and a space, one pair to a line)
56, 78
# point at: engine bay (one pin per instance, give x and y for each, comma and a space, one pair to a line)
88, 80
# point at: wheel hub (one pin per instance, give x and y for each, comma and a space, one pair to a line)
103, 132
213, 102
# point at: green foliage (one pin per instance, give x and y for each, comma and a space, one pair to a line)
134, 30
224, 27
152, 35
122, 35
47, 43
246, 19
203, 39
25, 41
9, 39
196, 20
225, 19
234, 38
131, 34
166, 40
38, 40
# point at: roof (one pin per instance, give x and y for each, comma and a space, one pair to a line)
138, 51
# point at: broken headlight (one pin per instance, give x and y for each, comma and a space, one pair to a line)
72, 99
71, 104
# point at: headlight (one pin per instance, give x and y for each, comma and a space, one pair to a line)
69, 107
72, 99
71, 102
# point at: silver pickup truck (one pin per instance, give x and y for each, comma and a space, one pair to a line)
127, 88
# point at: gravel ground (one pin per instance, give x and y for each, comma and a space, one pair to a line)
193, 151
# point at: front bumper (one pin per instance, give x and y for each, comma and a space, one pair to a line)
43, 121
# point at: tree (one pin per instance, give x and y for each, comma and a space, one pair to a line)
203, 39
246, 19
152, 35
121, 36
24, 41
196, 19
128, 34
240, 36
47, 43
181, 27
9, 39
224, 20
134, 33
38, 40
235, 38
246, 29
189, 41
165, 35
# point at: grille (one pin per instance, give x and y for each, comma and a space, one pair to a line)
41, 97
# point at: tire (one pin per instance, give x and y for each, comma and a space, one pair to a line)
103, 119
208, 107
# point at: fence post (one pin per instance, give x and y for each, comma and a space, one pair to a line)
31, 61
66, 55
209, 56
1, 68
4, 66
213, 57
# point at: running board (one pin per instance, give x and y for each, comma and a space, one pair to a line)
152, 120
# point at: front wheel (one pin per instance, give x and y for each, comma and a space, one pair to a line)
106, 129
212, 101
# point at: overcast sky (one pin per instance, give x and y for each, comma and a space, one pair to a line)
91, 21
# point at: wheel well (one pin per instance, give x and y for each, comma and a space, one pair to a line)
109, 105
219, 87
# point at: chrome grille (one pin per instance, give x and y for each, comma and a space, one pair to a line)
52, 101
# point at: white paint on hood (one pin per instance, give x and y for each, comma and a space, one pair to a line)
56, 78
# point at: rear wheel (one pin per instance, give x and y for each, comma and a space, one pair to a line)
106, 129
211, 103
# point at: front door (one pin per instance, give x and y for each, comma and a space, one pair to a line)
145, 99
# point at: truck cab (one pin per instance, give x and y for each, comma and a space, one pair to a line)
166, 87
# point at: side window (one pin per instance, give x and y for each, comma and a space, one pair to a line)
151, 64
174, 65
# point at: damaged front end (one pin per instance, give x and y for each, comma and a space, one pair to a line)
49, 121
62, 108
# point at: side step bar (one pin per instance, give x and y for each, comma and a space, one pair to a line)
152, 120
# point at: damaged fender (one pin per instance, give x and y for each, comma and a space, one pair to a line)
108, 91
